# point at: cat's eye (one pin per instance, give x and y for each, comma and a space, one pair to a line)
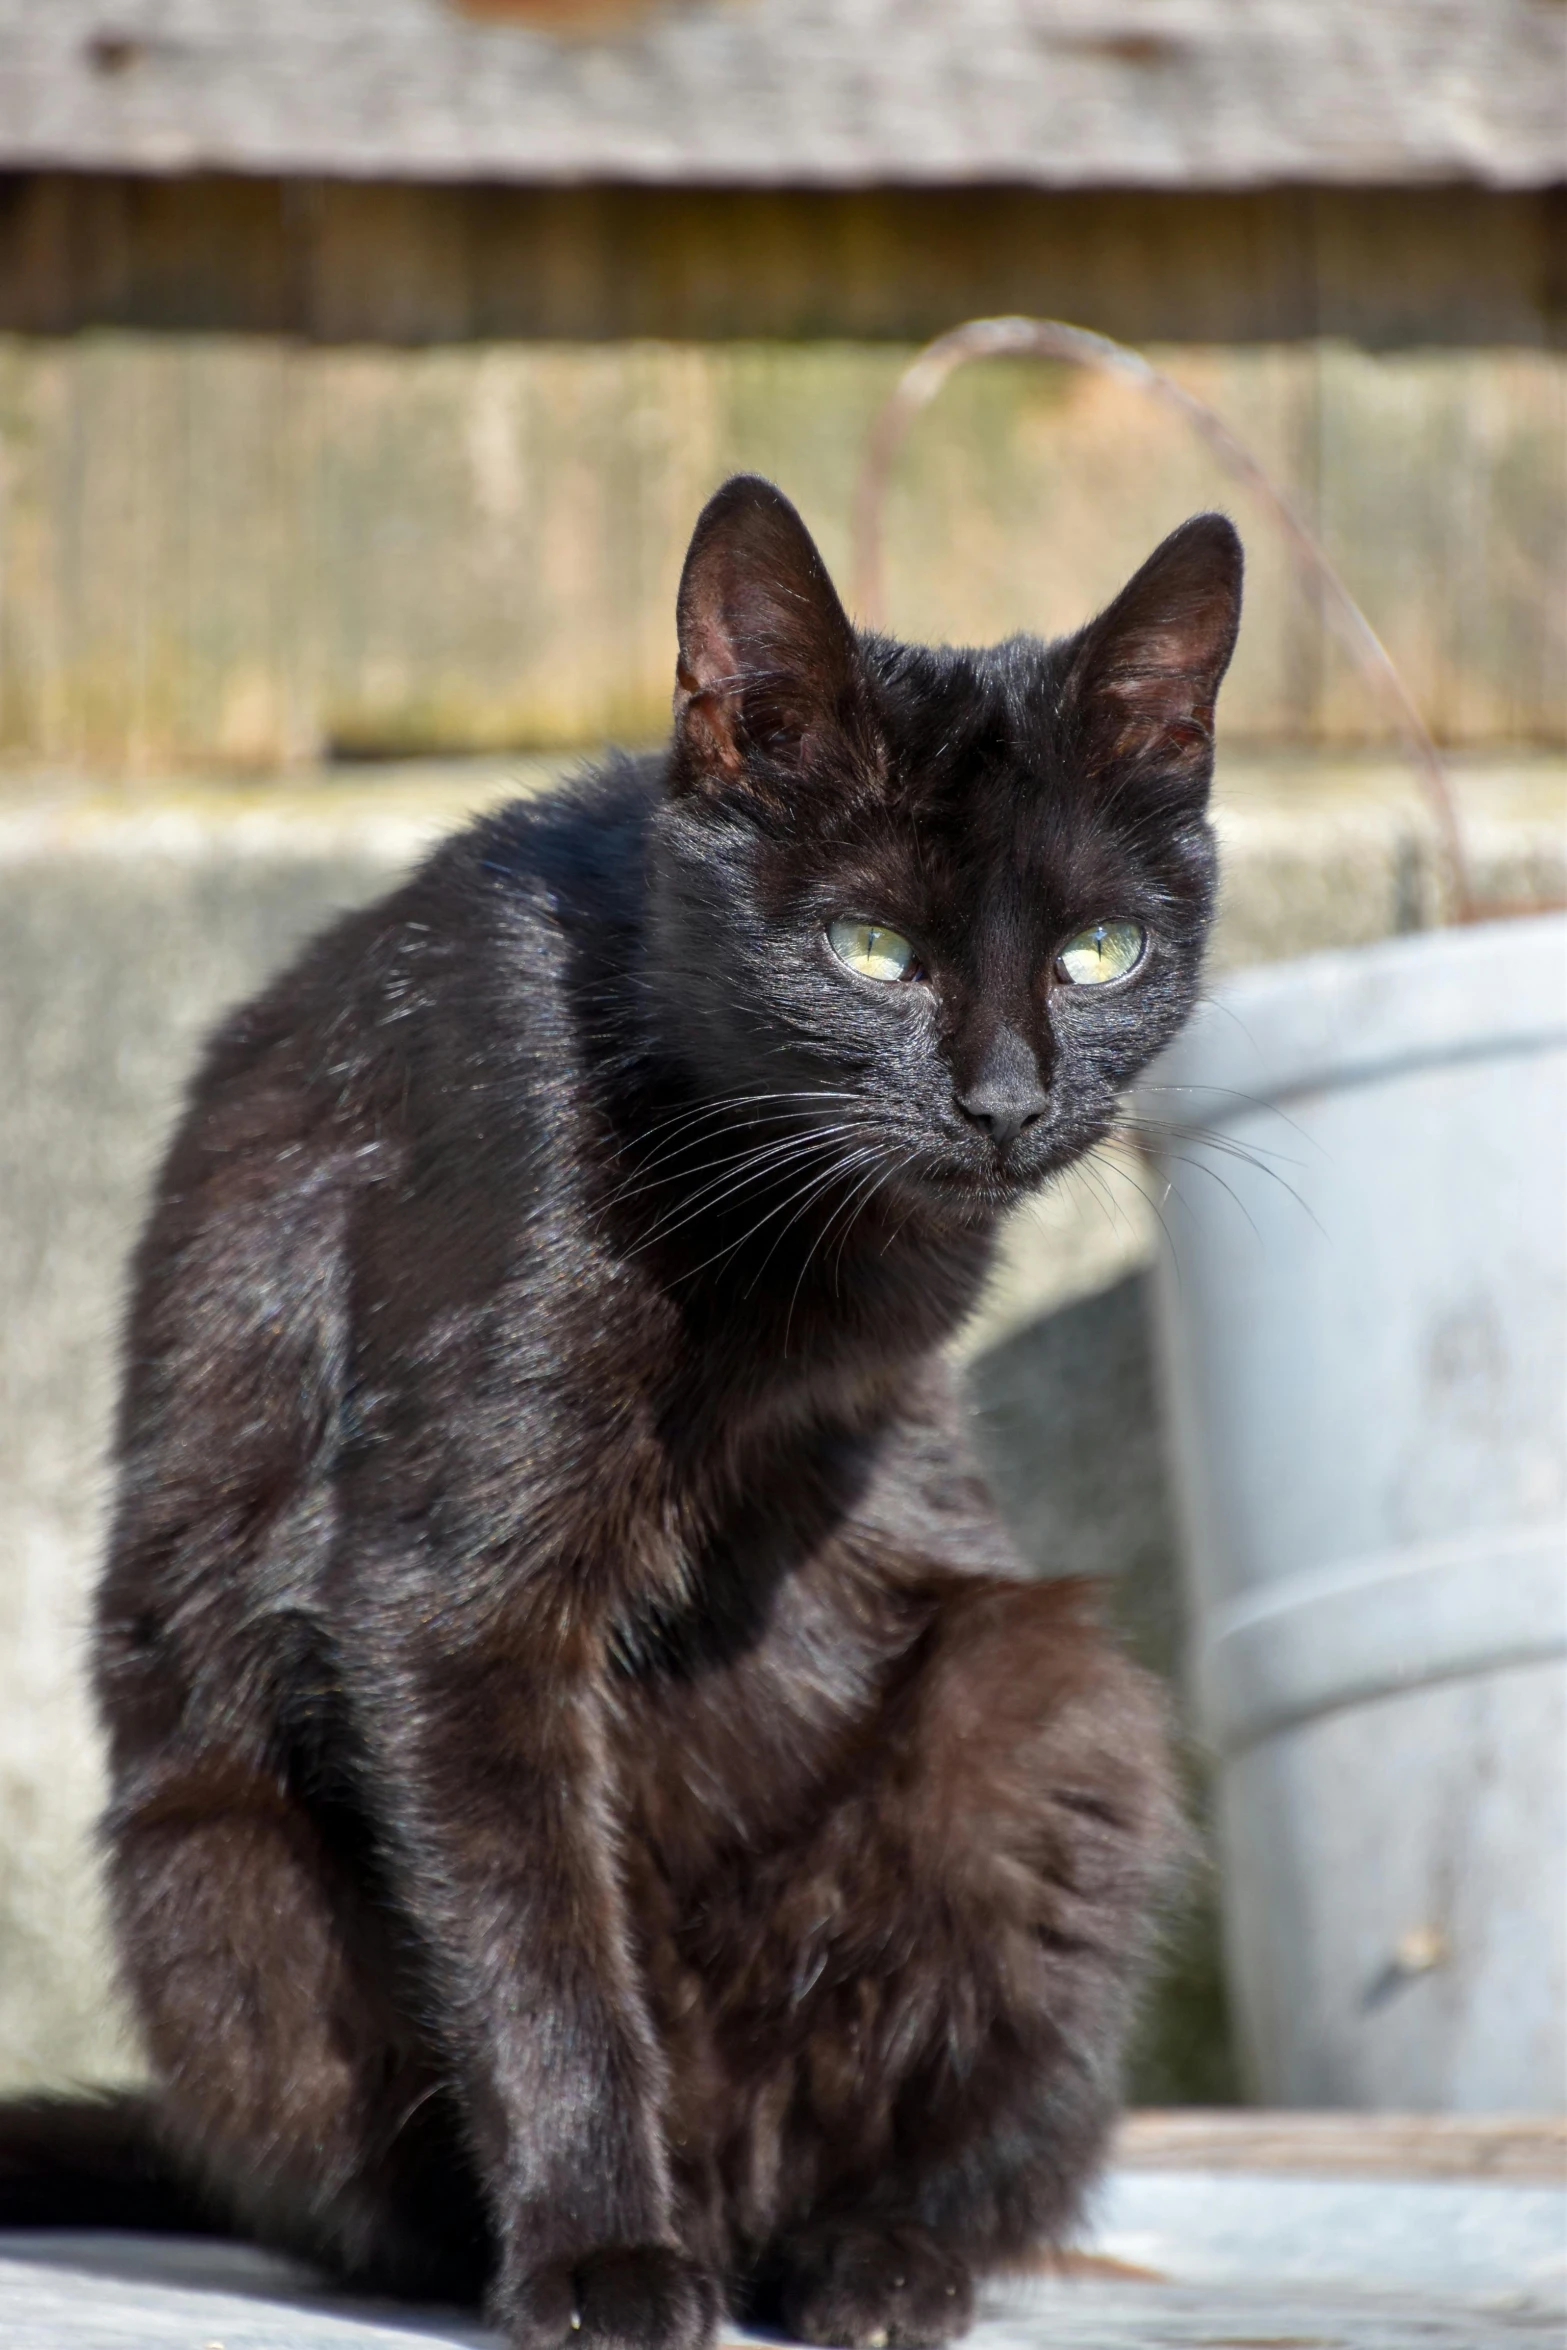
1105, 951
873, 950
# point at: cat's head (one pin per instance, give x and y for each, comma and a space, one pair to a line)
949, 901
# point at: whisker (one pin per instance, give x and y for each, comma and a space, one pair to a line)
720, 1108
1215, 1177
1234, 1093
1110, 1167
874, 1179
1111, 1207
752, 1152
1224, 1146
896, 1167
1212, 1137
768, 1158
816, 1182
712, 1144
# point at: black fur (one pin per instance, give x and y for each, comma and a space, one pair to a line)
598, 1814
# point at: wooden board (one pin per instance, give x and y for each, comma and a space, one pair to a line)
58, 2305
337, 260
1206, 93
241, 552
1515, 2147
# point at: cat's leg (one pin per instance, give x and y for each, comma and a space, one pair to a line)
490, 1769
289, 2079
944, 1970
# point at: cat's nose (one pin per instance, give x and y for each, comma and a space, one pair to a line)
1003, 1115
1005, 1095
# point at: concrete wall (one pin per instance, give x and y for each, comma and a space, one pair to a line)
113, 964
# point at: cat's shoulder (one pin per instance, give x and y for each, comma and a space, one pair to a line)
476, 936
571, 852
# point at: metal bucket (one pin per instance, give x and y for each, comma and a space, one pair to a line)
1362, 1316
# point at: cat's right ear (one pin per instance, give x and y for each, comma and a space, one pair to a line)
769, 683
1148, 670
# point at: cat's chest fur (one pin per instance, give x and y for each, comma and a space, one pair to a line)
711, 1484
574, 1423
542, 1381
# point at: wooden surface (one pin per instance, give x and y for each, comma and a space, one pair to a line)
57, 2308
388, 262
1174, 2262
1346, 2145
244, 552
1187, 93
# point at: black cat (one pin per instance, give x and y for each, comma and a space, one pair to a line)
599, 1817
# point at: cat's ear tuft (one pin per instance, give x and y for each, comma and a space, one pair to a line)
769, 674
1148, 671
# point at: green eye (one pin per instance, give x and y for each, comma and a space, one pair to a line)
1106, 950
872, 950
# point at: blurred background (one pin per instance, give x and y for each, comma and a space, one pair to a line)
363, 366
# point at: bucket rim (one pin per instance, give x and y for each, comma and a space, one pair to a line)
1361, 1014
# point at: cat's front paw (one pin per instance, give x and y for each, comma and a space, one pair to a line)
869, 2288
633, 2297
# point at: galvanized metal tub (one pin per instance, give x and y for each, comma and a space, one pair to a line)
1362, 1331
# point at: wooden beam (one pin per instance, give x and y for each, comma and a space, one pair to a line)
338, 261
244, 551
1515, 2147
1209, 93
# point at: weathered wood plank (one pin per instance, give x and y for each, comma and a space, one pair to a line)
93, 2294
346, 261
244, 552
1342, 2145
1441, 490
1210, 93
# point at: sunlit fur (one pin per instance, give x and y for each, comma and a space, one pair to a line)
598, 1816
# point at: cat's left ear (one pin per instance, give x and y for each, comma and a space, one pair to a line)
1148, 671
769, 676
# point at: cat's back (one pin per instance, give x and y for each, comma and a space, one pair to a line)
447, 1013
367, 1206
387, 1116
